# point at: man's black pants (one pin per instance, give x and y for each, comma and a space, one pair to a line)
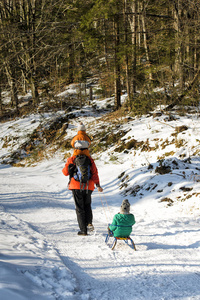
83, 201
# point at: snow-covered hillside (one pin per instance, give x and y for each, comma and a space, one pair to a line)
155, 163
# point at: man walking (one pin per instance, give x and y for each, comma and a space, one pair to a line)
82, 192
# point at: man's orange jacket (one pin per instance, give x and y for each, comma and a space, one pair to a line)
74, 184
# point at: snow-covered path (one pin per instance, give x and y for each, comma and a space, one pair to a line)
39, 237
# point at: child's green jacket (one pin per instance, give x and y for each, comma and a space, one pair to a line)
124, 223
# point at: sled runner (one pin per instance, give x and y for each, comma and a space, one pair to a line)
125, 239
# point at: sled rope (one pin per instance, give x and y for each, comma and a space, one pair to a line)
107, 204
104, 208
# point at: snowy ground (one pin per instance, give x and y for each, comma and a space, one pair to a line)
41, 256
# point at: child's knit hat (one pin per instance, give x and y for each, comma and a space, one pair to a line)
81, 127
125, 207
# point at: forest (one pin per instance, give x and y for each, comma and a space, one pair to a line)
148, 49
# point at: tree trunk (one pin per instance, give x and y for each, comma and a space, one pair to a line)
179, 43
145, 44
11, 76
71, 63
14, 89
91, 94
34, 91
1, 104
117, 65
134, 43
105, 43
126, 53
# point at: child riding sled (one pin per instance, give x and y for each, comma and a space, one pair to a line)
123, 221
121, 226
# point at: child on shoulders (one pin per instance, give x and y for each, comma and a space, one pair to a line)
81, 142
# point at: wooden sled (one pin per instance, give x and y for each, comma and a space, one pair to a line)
128, 240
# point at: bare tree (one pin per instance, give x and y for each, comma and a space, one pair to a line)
117, 63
